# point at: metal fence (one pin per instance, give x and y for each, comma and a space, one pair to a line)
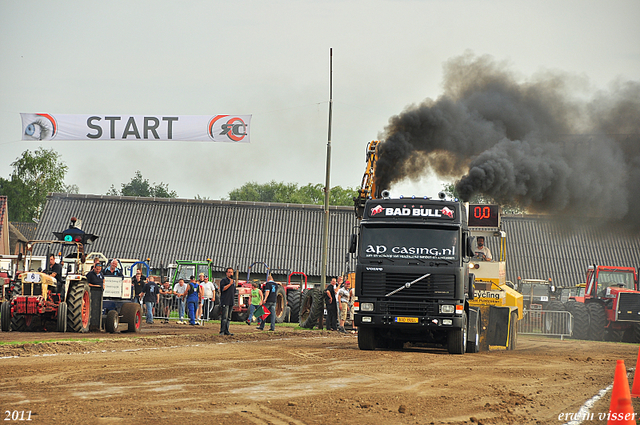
172, 308
543, 322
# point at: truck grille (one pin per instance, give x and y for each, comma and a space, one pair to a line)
408, 309
378, 284
629, 306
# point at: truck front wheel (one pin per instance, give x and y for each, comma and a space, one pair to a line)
366, 338
457, 338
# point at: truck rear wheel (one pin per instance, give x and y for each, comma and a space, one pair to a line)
457, 338
78, 307
597, 321
61, 322
311, 308
5, 316
366, 338
293, 300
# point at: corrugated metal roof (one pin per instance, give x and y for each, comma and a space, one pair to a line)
28, 230
230, 233
290, 235
540, 247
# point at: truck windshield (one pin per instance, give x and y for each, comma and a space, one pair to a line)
408, 243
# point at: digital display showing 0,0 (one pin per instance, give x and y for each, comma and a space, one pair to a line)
482, 215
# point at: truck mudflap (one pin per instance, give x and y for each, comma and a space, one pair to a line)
495, 325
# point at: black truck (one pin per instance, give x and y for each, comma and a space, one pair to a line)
413, 282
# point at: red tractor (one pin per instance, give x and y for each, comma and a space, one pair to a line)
610, 306
288, 297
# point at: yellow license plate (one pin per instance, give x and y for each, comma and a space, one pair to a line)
406, 320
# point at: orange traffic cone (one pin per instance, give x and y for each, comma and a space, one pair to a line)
620, 386
635, 391
623, 415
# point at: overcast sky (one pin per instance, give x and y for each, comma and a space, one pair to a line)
270, 59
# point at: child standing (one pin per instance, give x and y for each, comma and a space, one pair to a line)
256, 301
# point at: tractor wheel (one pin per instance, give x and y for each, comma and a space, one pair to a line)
281, 305
597, 321
5, 316
112, 321
367, 338
17, 289
61, 322
457, 338
311, 308
293, 300
614, 335
633, 334
132, 316
78, 307
243, 316
513, 331
580, 320
554, 306
18, 323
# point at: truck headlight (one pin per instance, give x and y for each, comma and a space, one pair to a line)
366, 319
366, 306
447, 309
447, 322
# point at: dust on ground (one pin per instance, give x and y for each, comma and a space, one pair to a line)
170, 373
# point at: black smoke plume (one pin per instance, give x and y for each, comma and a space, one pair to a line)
536, 144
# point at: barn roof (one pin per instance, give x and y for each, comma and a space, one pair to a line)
289, 236
230, 233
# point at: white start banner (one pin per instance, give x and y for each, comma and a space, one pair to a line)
202, 128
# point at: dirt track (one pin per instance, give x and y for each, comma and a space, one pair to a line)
171, 373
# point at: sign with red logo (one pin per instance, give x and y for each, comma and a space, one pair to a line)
203, 128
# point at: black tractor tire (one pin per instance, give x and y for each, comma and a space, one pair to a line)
294, 296
367, 338
78, 307
614, 335
457, 338
242, 316
5, 316
634, 333
597, 321
580, 320
281, 305
473, 346
554, 306
112, 321
132, 316
61, 321
311, 308
215, 312
513, 331
17, 288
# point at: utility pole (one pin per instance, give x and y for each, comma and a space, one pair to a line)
327, 188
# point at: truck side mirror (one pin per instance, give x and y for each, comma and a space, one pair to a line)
470, 250
353, 243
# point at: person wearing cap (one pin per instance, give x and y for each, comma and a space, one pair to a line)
343, 296
192, 300
481, 250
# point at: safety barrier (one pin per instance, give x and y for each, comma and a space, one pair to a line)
544, 322
174, 308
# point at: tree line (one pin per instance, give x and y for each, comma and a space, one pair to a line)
42, 171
